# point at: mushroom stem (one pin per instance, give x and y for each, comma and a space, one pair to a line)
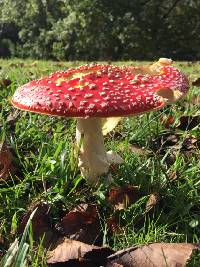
93, 158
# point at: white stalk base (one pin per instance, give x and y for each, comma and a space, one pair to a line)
93, 158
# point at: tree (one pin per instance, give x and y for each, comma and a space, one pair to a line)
100, 29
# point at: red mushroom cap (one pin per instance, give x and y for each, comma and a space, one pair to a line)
102, 91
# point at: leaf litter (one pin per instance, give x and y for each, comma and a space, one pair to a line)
75, 253
6, 162
72, 253
122, 197
172, 142
154, 255
81, 223
41, 224
5, 82
187, 123
152, 201
196, 82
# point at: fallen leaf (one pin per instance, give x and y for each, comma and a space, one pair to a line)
134, 148
41, 223
121, 197
15, 65
173, 144
113, 225
75, 253
82, 224
196, 82
172, 175
5, 82
167, 121
23, 65
12, 118
194, 100
154, 255
187, 123
115, 265
6, 162
164, 141
139, 150
174, 141
190, 142
170, 159
170, 140
59, 64
152, 201
116, 135
2, 241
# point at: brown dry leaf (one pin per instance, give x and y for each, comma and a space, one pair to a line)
75, 253
134, 148
41, 223
59, 64
190, 142
2, 244
187, 123
20, 64
139, 150
115, 265
196, 82
167, 121
82, 224
164, 141
152, 201
173, 143
113, 225
6, 162
172, 175
154, 255
12, 118
121, 197
23, 65
5, 82
195, 100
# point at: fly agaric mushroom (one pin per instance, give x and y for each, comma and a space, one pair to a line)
94, 93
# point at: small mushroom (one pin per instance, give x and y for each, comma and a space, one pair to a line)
93, 94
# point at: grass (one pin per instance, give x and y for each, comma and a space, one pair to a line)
47, 170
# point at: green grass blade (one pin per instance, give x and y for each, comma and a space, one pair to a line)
21, 256
8, 259
26, 231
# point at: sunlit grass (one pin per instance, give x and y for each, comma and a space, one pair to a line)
47, 171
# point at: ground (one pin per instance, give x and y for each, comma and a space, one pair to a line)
161, 152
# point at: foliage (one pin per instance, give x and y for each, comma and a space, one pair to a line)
100, 29
166, 165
